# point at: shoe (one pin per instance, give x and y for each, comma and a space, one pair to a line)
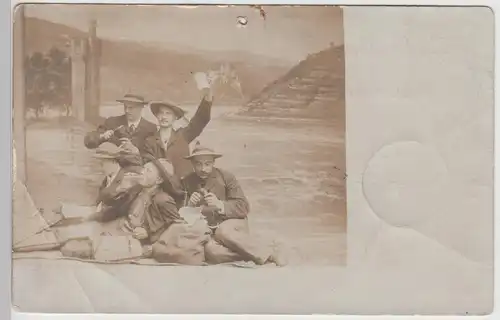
278, 257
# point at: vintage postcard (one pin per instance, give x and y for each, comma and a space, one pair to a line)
252, 159
220, 146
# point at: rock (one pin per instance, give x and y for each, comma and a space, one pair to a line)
81, 249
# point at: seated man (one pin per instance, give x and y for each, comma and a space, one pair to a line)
130, 127
225, 207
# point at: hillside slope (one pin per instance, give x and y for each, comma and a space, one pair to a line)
313, 89
155, 72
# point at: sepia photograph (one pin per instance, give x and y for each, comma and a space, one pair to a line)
153, 138
252, 159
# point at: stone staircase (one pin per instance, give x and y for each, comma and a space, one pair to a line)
313, 89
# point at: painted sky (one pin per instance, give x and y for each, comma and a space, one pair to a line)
288, 32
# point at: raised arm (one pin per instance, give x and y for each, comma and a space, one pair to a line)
201, 118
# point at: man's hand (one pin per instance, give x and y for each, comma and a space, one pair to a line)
127, 146
207, 94
213, 201
195, 199
106, 135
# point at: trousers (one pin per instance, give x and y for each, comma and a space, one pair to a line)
232, 241
161, 214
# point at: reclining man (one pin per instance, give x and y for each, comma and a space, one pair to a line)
126, 193
145, 218
225, 207
116, 192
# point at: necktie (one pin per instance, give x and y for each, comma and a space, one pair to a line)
131, 129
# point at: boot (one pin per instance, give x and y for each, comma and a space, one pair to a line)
278, 256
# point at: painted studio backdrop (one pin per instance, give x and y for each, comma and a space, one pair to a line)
277, 115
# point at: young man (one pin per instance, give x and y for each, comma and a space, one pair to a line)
172, 144
129, 129
225, 207
146, 219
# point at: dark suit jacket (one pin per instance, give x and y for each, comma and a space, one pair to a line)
225, 186
116, 204
144, 130
178, 145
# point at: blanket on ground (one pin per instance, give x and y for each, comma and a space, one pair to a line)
56, 255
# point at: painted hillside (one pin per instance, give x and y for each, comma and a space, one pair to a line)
157, 72
313, 89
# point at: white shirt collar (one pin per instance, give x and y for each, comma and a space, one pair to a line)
136, 123
165, 136
175, 127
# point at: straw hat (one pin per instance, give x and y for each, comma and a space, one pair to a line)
107, 150
133, 98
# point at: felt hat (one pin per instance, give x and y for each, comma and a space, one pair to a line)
133, 98
156, 105
199, 150
107, 150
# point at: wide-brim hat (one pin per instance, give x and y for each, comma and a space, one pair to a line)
105, 156
156, 105
107, 150
203, 151
133, 98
